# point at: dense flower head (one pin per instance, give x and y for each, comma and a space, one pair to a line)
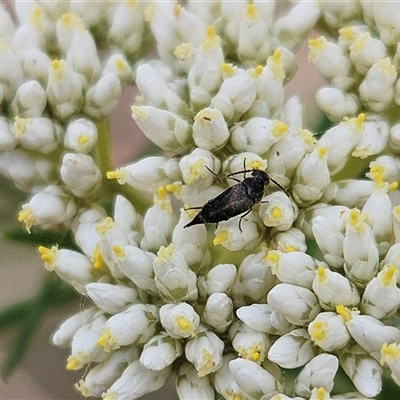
304, 278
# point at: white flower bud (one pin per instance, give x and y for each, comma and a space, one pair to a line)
292, 267
388, 22
194, 168
205, 352
335, 15
298, 305
36, 65
64, 89
190, 385
82, 55
160, 352
148, 78
377, 88
10, 72
84, 349
29, 101
285, 156
220, 279
337, 104
393, 258
174, 279
128, 219
236, 95
381, 297
84, 228
127, 28
112, 299
359, 249
137, 265
253, 280
334, 289
179, 320
293, 349
205, 76
71, 266
49, 207
136, 381
81, 175
65, 333
363, 370
328, 331
39, 134
210, 130
159, 223
137, 324
390, 355
278, 211
235, 237
319, 372
332, 62
164, 128
312, 177
104, 374
349, 34
254, 380
117, 64
291, 29
218, 312
81, 135
8, 141
257, 135
291, 240
26, 170
263, 318
352, 193
223, 380
250, 344
329, 238
370, 333
387, 166
102, 98
365, 51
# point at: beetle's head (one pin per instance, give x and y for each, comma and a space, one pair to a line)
261, 175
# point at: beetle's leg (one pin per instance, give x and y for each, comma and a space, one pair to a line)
240, 220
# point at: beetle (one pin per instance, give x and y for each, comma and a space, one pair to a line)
238, 199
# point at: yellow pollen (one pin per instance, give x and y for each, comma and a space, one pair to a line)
227, 68
196, 171
36, 18
396, 212
21, 126
73, 364
318, 333
98, 260
58, 69
82, 139
275, 64
278, 128
26, 216
359, 120
316, 46
389, 351
149, 12
104, 226
251, 12
117, 174
388, 275
344, 312
356, 220
358, 45
321, 394
183, 51
347, 33
277, 212
66, 19
207, 363
165, 253
106, 340
222, 237
256, 165
288, 249
322, 151
210, 38
386, 67
393, 186
273, 256
119, 65
48, 256
257, 71
177, 10
184, 324
321, 274
138, 113
161, 193
118, 251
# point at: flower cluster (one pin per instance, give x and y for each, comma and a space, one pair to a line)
307, 280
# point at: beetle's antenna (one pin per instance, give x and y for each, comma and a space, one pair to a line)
212, 172
280, 187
